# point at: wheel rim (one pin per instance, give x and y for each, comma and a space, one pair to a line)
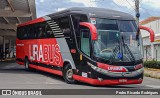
69, 75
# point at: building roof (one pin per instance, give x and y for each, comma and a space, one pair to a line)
97, 12
148, 20
14, 12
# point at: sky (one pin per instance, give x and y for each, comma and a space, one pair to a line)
148, 8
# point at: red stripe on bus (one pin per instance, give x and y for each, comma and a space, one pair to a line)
41, 19
46, 69
105, 82
20, 63
92, 28
112, 68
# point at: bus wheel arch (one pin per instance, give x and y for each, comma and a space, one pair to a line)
68, 73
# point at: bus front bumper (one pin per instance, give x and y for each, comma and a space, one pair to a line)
107, 82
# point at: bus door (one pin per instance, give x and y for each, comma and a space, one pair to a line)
85, 48
85, 45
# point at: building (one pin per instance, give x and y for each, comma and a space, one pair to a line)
151, 50
12, 13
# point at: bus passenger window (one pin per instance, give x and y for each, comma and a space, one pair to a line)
29, 32
19, 33
36, 34
32, 32
41, 30
40, 33
25, 33
48, 31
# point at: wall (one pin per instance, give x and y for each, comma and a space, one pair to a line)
151, 50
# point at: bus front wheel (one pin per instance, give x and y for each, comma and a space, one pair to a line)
68, 74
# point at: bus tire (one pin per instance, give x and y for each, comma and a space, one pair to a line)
68, 74
27, 68
26, 63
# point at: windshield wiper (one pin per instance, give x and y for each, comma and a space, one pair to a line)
125, 46
132, 57
116, 49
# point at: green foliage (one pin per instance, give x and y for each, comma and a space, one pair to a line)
152, 64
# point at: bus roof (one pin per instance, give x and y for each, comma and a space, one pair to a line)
96, 12
32, 22
91, 11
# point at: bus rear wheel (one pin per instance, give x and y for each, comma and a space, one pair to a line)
68, 74
26, 64
27, 68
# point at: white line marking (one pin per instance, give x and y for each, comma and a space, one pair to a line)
153, 86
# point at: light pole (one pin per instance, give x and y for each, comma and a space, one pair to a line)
137, 11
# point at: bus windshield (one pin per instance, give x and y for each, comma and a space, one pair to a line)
118, 41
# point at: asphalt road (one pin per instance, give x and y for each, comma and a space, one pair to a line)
14, 76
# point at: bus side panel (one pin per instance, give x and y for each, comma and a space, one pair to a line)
43, 53
51, 52
26, 47
66, 51
57, 72
20, 51
28, 51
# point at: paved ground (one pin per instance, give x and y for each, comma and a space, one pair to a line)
13, 76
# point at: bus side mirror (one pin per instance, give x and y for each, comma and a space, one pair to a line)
150, 31
92, 29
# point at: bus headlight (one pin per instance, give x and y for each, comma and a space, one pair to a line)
94, 67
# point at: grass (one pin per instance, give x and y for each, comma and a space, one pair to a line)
152, 76
153, 73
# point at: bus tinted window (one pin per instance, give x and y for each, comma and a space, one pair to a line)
106, 24
48, 31
127, 26
18, 33
64, 25
35, 31
32, 32
76, 20
41, 30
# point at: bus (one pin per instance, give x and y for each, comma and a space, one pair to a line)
92, 45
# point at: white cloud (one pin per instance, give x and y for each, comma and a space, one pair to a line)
152, 3
42, 1
60, 9
87, 3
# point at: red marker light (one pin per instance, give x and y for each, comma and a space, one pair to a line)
138, 66
73, 50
